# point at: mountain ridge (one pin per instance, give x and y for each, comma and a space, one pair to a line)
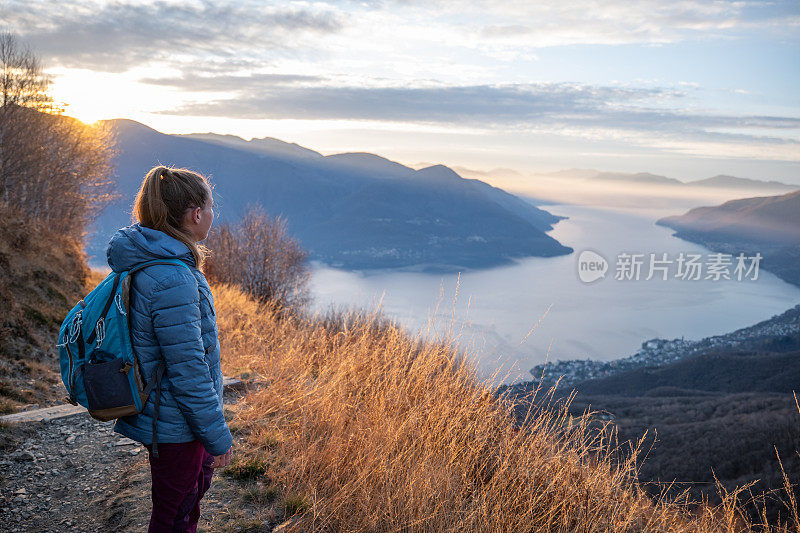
354, 210
766, 225
718, 181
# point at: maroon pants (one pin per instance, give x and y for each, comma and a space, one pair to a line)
181, 475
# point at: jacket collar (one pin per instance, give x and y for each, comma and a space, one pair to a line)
135, 244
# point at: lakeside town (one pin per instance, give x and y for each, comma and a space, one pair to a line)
782, 328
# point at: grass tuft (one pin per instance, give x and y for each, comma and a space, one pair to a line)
246, 468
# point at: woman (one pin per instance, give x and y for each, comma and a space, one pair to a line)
173, 319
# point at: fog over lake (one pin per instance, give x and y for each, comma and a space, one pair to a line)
496, 309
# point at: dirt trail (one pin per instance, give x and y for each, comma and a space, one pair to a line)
76, 474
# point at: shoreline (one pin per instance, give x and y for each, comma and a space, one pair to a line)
661, 352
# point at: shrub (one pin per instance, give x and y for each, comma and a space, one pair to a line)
258, 255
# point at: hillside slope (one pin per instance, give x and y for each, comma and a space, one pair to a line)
723, 413
43, 276
711, 372
691, 437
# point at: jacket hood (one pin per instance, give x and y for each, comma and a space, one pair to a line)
135, 244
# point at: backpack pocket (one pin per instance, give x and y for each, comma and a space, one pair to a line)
108, 389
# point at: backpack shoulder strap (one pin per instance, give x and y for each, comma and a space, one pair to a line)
117, 277
158, 374
158, 262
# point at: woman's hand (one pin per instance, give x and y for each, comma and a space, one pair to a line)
223, 460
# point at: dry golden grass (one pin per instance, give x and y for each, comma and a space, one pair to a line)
366, 428
94, 278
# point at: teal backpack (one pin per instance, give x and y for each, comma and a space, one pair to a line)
98, 365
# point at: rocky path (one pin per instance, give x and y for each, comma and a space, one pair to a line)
76, 474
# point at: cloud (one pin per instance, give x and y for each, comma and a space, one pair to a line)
569, 109
547, 23
478, 104
379, 60
449, 104
115, 37
191, 81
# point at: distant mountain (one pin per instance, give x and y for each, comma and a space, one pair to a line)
264, 145
769, 219
573, 173
732, 182
353, 210
641, 177
495, 172
721, 181
511, 178
769, 225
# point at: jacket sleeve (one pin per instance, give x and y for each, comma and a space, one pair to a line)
175, 308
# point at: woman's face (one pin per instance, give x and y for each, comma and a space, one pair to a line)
198, 220
208, 215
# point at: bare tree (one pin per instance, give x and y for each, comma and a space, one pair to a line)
53, 168
260, 256
22, 81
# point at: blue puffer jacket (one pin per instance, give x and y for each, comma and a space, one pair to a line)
172, 313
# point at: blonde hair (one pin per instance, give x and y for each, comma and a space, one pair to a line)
165, 195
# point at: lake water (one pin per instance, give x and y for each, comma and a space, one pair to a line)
511, 318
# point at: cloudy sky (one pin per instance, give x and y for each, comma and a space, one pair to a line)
686, 88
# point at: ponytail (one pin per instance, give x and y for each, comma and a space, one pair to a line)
164, 197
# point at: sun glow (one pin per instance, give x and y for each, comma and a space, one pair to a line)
91, 96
